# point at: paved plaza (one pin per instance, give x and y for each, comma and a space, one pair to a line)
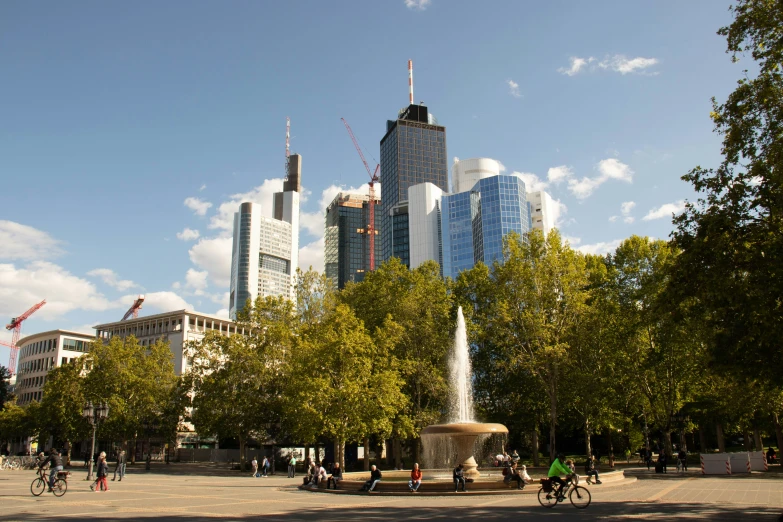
185, 492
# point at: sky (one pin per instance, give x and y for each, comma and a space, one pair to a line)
131, 131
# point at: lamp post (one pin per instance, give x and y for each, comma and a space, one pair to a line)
94, 415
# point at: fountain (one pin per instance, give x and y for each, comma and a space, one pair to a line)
462, 431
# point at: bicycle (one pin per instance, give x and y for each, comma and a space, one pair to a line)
40, 483
578, 495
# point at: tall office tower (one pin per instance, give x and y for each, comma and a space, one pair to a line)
346, 245
286, 208
424, 211
542, 208
413, 151
263, 259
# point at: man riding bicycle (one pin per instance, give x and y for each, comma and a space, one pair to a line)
57, 465
558, 468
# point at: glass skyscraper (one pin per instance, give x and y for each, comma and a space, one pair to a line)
413, 151
474, 223
346, 245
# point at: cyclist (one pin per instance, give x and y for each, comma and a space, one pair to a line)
57, 465
558, 468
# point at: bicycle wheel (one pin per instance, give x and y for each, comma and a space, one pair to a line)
548, 500
60, 487
38, 487
579, 497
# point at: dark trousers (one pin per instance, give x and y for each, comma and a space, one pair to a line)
557, 480
457, 482
592, 473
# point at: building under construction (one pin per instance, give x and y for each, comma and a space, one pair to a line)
346, 242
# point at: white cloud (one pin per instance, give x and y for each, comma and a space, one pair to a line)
64, 292
558, 210
532, 182
201, 189
312, 223
558, 174
608, 169
262, 195
223, 312
513, 89
624, 65
573, 241
615, 63
109, 277
19, 241
626, 207
629, 219
577, 64
214, 256
312, 254
419, 5
176, 285
501, 167
188, 234
612, 219
600, 248
197, 205
665, 210
196, 280
162, 301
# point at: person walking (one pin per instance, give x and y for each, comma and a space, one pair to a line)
103, 472
292, 467
682, 459
459, 478
120, 467
415, 482
662, 461
254, 466
265, 467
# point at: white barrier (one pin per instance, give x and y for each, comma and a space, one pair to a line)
740, 462
758, 461
715, 464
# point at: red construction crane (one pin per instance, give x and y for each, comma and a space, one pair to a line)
371, 232
16, 328
134, 309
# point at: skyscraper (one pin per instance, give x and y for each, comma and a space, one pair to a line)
346, 245
265, 250
413, 151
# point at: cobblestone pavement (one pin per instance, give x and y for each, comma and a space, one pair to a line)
184, 493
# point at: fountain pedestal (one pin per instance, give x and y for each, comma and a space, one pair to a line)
464, 435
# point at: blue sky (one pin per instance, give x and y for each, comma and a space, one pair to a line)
129, 132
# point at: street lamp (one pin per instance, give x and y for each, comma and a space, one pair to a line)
94, 415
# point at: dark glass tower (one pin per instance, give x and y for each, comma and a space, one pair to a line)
346, 245
413, 151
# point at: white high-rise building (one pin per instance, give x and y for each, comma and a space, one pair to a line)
265, 251
542, 208
424, 223
466, 173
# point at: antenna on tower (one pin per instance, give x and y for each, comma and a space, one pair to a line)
410, 81
287, 146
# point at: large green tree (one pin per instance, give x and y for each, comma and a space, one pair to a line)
5, 386
60, 412
732, 236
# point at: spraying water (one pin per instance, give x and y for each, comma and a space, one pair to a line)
461, 375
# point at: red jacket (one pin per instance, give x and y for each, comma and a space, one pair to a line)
415, 474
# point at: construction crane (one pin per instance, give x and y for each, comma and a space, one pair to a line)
16, 327
371, 233
134, 309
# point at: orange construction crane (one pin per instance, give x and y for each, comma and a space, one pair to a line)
134, 309
16, 327
371, 233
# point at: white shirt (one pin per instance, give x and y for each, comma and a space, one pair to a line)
321, 473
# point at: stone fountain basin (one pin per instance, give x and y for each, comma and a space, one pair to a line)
465, 428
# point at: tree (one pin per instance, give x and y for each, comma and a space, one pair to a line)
731, 236
237, 380
5, 387
352, 389
541, 287
60, 412
412, 310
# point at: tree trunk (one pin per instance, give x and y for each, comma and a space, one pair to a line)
366, 463
778, 432
667, 440
748, 440
721, 441
757, 439
133, 453
535, 446
68, 455
702, 440
317, 451
416, 449
610, 447
397, 453
306, 458
588, 447
274, 454
552, 422
241, 453
379, 454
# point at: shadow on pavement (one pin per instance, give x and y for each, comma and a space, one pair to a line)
657, 512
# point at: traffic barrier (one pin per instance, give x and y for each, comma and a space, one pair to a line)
740, 462
758, 461
715, 464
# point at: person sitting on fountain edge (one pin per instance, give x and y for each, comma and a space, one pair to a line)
415, 482
375, 477
558, 468
459, 478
